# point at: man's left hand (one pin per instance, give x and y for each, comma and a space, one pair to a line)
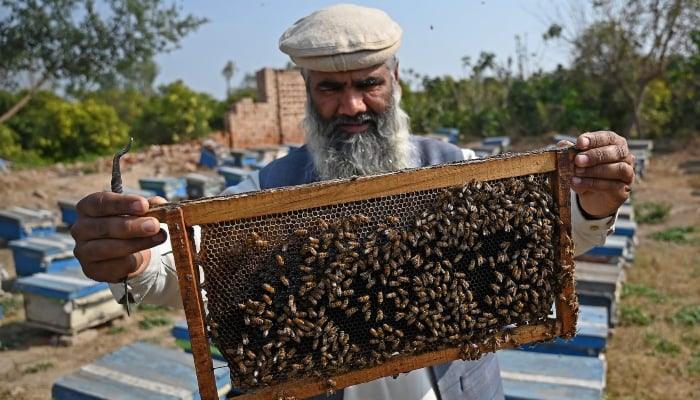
603, 173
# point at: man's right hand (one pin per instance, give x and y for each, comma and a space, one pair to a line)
112, 238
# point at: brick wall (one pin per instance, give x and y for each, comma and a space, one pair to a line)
275, 118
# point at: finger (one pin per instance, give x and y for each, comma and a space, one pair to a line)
117, 227
154, 201
108, 203
590, 140
615, 188
113, 270
603, 155
622, 172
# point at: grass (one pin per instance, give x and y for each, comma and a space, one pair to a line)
150, 322
11, 302
687, 316
651, 212
679, 235
640, 289
633, 315
39, 368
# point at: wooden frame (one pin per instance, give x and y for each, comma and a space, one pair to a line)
181, 217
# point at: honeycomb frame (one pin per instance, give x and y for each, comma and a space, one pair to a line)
181, 217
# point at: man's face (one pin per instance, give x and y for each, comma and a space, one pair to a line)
349, 98
354, 124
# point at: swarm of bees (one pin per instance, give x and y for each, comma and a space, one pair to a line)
326, 291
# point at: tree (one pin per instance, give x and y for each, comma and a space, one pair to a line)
630, 44
176, 114
82, 43
228, 72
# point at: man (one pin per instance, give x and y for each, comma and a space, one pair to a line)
354, 126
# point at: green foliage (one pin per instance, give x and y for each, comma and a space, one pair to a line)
688, 316
656, 110
694, 363
633, 315
660, 345
651, 213
176, 114
154, 321
682, 234
633, 289
40, 367
10, 303
82, 43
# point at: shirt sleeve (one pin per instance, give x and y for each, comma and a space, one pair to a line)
588, 233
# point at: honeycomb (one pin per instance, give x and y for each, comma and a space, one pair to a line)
321, 291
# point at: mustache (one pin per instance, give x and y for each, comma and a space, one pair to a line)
359, 118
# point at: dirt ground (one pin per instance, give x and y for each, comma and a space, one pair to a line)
32, 359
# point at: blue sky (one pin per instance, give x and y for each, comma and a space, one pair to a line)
437, 34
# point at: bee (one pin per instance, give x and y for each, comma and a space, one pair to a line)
301, 232
350, 311
380, 315
284, 280
267, 299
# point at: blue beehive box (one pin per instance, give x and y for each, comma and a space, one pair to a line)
66, 301
69, 214
204, 185
615, 247
591, 335
502, 141
44, 253
139, 192
208, 158
20, 222
170, 188
535, 376
182, 340
233, 175
628, 228
244, 158
138, 371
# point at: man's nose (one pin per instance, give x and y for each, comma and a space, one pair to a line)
352, 102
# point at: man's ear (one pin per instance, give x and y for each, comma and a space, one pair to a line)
396, 76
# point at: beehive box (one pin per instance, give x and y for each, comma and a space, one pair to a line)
204, 185
182, 339
243, 158
138, 371
20, 222
66, 301
170, 188
590, 340
533, 376
67, 207
46, 253
318, 287
233, 175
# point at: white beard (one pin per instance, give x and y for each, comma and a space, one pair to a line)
384, 147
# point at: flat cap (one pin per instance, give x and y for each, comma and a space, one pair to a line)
342, 37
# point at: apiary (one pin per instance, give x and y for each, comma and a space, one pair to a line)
318, 287
21, 222
204, 185
531, 375
44, 253
233, 175
67, 207
590, 340
182, 339
170, 188
139, 370
66, 301
244, 158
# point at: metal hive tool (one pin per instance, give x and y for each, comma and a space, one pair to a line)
314, 288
